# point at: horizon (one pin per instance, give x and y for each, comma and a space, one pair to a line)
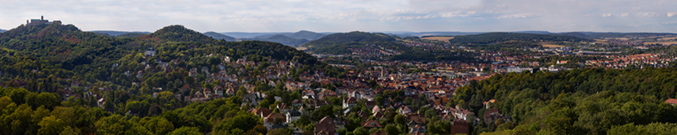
352, 15
390, 32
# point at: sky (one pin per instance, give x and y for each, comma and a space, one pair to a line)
350, 15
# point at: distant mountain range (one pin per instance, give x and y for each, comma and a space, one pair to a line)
1, 31
120, 33
219, 36
291, 39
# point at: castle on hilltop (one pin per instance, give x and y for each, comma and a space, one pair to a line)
41, 21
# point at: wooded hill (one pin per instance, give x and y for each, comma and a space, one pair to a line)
579, 101
39, 65
499, 37
341, 43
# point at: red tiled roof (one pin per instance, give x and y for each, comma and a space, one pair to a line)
671, 101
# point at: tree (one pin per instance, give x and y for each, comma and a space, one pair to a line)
138, 107
360, 131
186, 131
118, 125
243, 122
70, 131
159, 125
392, 129
50, 126
400, 119
66, 114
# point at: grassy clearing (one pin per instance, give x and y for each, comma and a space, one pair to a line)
443, 39
550, 45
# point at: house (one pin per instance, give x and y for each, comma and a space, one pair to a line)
487, 104
363, 115
350, 102
150, 52
416, 120
218, 90
460, 127
274, 119
370, 104
375, 109
292, 116
297, 103
671, 101
284, 108
262, 112
326, 126
404, 110
369, 124
417, 130
207, 92
379, 115
230, 92
491, 116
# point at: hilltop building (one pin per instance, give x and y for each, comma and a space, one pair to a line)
41, 21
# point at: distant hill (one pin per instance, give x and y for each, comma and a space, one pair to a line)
1, 31
219, 36
116, 33
598, 35
179, 33
290, 39
132, 35
498, 37
307, 35
282, 39
248, 34
421, 34
339, 43
345, 43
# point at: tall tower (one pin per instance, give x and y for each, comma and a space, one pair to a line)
42, 18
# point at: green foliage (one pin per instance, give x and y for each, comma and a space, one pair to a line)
186, 131
282, 39
46, 60
118, 125
159, 125
650, 129
243, 122
580, 101
497, 37
50, 126
360, 131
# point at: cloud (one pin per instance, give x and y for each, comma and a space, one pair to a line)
348, 15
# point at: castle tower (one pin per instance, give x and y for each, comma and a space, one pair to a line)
42, 18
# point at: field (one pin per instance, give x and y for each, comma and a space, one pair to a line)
550, 45
443, 39
301, 48
662, 43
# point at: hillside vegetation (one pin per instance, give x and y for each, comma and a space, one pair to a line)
580, 101
40, 65
498, 37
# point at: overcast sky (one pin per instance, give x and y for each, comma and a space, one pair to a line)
351, 15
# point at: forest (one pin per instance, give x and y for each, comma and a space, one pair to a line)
54, 79
498, 37
579, 101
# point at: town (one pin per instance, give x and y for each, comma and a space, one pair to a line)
164, 77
